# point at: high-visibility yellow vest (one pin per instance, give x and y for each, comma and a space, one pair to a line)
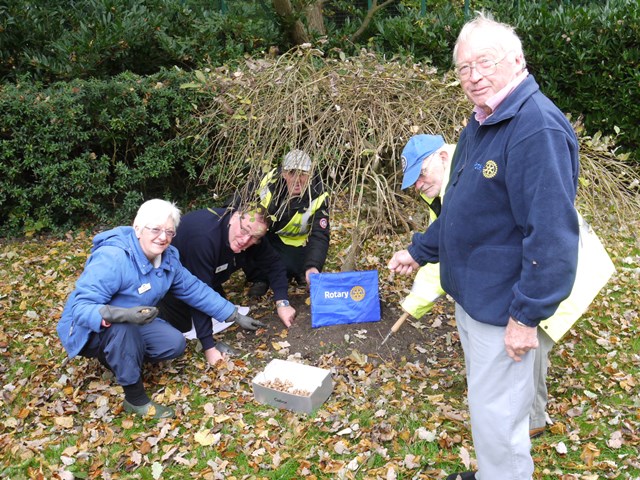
426, 287
432, 214
296, 232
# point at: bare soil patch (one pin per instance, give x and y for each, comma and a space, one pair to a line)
427, 340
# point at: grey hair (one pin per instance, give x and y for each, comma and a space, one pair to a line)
156, 211
504, 35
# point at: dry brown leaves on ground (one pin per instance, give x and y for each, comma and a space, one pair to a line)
396, 412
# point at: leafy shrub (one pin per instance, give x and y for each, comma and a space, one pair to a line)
585, 54
92, 150
82, 150
425, 37
63, 39
587, 59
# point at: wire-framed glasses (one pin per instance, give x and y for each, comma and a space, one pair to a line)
485, 67
245, 232
157, 231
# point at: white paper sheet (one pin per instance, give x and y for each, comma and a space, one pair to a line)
217, 326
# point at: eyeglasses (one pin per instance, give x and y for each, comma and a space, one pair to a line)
156, 232
426, 163
245, 232
485, 67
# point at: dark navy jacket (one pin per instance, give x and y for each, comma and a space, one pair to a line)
507, 237
203, 242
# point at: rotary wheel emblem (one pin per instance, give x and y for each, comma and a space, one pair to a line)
357, 293
490, 169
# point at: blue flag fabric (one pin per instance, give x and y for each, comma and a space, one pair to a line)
345, 297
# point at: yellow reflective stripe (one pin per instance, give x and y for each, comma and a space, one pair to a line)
296, 232
264, 192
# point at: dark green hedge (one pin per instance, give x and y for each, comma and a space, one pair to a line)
585, 54
66, 39
587, 59
96, 147
93, 149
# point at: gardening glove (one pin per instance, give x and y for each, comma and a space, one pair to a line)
245, 321
225, 348
140, 315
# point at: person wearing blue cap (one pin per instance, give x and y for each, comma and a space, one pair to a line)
506, 239
426, 162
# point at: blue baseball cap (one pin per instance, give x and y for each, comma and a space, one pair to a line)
417, 149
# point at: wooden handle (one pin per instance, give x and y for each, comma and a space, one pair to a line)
398, 324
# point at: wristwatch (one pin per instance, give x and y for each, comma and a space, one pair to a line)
282, 303
523, 324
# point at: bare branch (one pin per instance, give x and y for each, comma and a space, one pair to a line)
367, 19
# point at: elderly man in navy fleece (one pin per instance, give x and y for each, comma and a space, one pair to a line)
506, 239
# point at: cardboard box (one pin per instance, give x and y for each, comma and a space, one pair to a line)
316, 381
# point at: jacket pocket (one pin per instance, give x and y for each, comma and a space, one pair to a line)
491, 274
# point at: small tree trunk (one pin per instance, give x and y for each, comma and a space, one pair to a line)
367, 19
315, 17
296, 29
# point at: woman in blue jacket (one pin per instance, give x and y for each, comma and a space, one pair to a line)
111, 314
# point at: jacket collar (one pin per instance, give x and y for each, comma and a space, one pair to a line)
512, 103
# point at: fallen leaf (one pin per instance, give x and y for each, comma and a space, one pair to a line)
615, 440
411, 461
589, 453
156, 470
340, 448
465, 457
204, 438
65, 422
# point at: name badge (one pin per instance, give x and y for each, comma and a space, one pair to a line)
145, 287
222, 268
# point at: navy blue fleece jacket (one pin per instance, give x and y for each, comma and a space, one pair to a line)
507, 237
203, 243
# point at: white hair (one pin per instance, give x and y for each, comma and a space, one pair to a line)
503, 35
157, 211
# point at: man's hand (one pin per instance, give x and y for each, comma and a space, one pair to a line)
139, 315
519, 339
402, 262
287, 315
214, 355
307, 273
245, 321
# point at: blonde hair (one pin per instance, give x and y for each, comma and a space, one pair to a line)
156, 211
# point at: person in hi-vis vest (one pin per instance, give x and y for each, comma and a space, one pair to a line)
426, 162
295, 198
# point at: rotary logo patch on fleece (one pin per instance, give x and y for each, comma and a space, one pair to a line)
490, 169
345, 297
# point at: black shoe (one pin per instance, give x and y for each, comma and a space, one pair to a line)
258, 289
462, 476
